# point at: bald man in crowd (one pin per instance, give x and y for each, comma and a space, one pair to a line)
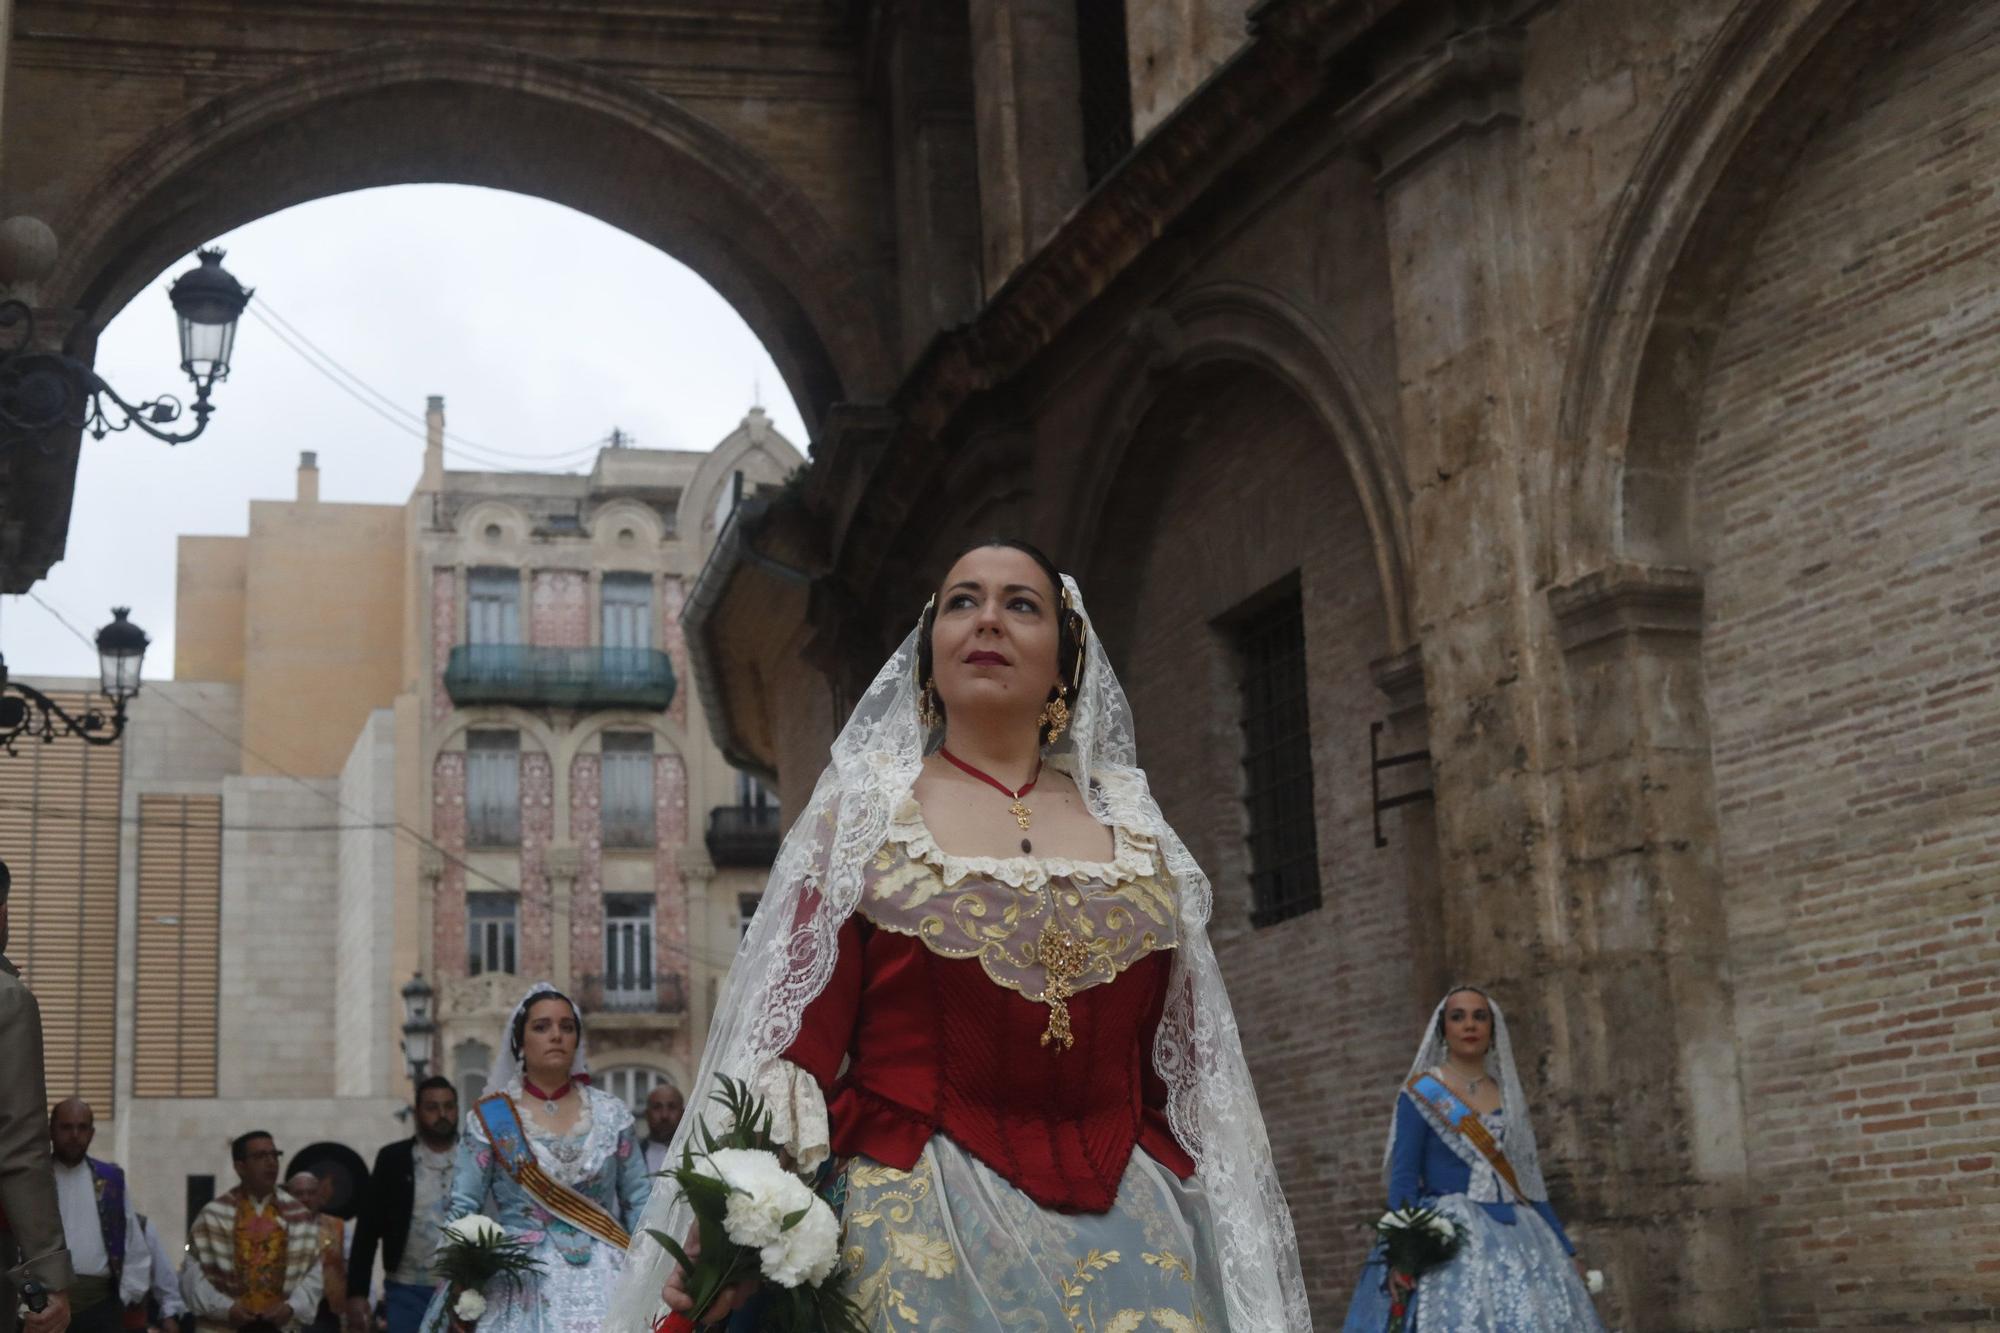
113, 1266
31, 1231
313, 1191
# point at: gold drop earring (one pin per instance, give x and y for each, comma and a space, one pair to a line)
1055, 715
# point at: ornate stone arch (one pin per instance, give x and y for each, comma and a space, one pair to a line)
561, 130
1229, 322
1665, 271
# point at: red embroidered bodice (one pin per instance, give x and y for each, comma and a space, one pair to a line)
943, 1007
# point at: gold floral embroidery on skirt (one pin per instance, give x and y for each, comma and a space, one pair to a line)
940, 1245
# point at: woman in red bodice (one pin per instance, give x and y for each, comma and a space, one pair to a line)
980, 986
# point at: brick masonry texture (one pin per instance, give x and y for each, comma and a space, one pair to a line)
448, 830
1849, 490
560, 606
586, 904
538, 826
670, 831
1330, 1021
673, 639
444, 633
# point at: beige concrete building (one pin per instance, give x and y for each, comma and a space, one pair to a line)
457, 737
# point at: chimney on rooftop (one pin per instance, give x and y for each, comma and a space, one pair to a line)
433, 478
308, 478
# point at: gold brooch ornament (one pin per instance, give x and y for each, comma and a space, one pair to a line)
1064, 957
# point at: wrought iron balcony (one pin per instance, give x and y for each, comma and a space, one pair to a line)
507, 673
743, 835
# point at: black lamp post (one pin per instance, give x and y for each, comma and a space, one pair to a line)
40, 391
419, 1027
25, 710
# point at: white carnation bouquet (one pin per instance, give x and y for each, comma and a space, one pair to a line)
473, 1253
756, 1220
1414, 1241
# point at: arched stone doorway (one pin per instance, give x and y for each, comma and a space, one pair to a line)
1234, 520
776, 213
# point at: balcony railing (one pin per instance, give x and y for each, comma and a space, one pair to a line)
743, 835
507, 673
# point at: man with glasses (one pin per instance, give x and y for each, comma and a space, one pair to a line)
254, 1253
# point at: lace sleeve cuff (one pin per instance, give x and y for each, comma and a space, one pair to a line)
798, 1111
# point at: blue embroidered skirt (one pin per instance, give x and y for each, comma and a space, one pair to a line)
1506, 1278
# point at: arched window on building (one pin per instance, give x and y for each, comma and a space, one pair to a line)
630, 1083
470, 1060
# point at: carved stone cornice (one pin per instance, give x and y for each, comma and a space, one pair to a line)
1400, 677
1466, 85
1627, 600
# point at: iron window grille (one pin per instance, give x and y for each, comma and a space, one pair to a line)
493, 788
493, 606
628, 790
626, 611
628, 952
631, 1084
1277, 757
492, 928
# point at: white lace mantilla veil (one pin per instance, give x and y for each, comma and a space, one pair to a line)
1517, 1130
787, 957
505, 1074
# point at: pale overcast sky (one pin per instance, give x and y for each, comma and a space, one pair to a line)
542, 328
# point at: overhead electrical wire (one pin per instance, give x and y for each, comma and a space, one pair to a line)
410, 423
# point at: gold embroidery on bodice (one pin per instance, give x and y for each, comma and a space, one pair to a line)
1042, 929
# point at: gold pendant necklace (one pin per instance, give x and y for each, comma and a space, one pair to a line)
1019, 809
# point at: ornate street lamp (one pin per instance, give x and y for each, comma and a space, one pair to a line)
40, 391
25, 710
419, 1027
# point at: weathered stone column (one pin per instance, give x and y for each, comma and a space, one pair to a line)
1651, 947
1616, 999
562, 865
1028, 120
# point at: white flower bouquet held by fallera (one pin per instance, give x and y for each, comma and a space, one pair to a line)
473, 1253
756, 1220
1414, 1241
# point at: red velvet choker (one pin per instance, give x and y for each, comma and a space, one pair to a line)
548, 1099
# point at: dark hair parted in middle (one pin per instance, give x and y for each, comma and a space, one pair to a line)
520, 1032
1069, 625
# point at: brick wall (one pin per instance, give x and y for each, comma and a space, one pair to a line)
586, 903
538, 828
670, 832
673, 641
559, 604
448, 828
1849, 484
1225, 493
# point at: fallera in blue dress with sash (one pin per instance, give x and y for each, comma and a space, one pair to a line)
599, 1160
1514, 1271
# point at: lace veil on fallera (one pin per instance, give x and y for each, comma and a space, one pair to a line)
788, 956
505, 1075
1517, 1133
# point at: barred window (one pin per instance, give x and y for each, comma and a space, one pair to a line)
492, 924
493, 788
631, 1084
1277, 755
628, 951
628, 789
493, 607
1105, 84
627, 612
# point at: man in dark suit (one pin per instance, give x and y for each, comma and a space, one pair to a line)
402, 1211
31, 1234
